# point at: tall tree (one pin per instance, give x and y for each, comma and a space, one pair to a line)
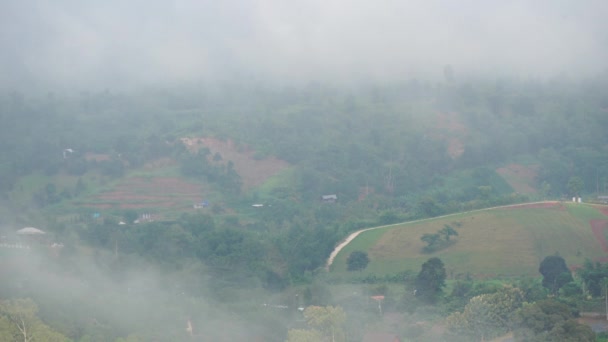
431, 280
555, 273
548, 320
18, 322
357, 261
447, 231
326, 324
486, 316
575, 185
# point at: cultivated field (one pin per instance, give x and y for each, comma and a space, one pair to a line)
149, 193
157, 186
498, 242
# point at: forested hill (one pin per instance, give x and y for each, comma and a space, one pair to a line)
234, 192
388, 152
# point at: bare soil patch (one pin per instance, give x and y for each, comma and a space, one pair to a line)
603, 210
253, 171
598, 227
154, 192
520, 177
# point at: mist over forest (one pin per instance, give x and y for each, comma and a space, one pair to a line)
196, 170
116, 44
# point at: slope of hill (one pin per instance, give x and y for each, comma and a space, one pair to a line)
505, 241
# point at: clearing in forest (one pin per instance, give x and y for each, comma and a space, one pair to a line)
148, 192
521, 178
253, 171
508, 241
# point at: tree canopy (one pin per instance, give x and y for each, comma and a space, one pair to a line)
555, 273
430, 280
549, 320
357, 261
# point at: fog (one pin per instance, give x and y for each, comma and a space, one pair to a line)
105, 297
117, 43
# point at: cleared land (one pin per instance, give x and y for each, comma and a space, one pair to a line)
253, 171
508, 241
148, 188
520, 177
149, 192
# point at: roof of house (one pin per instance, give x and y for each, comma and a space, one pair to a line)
30, 231
327, 197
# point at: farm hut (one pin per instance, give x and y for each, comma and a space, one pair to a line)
31, 235
329, 198
30, 231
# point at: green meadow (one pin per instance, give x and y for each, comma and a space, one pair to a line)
501, 242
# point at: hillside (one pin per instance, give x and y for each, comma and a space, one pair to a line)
505, 241
78, 165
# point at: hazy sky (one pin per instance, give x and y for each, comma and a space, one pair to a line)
114, 42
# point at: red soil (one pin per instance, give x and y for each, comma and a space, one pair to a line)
598, 227
253, 171
137, 193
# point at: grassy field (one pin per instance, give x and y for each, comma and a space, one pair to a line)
497, 242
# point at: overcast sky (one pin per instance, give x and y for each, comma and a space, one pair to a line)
113, 42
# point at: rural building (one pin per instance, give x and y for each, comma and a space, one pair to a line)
31, 236
329, 198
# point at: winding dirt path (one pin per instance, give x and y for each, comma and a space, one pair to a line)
352, 236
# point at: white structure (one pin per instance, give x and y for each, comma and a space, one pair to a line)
30, 231
66, 151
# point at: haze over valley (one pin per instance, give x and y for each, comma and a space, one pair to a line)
304, 171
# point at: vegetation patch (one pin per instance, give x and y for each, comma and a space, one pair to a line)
521, 178
499, 242
452, 130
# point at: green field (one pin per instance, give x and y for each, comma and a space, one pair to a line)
496, 242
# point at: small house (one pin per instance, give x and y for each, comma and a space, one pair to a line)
329, 198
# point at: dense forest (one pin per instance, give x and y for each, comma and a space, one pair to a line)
388, 152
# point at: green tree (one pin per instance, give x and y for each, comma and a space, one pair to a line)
357, 261
329, 320
575, 185
549, 320
555, 273
486, 316
431, 280
18, 322
430, 239
428, 207
447, 231
592, 275
325, 322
